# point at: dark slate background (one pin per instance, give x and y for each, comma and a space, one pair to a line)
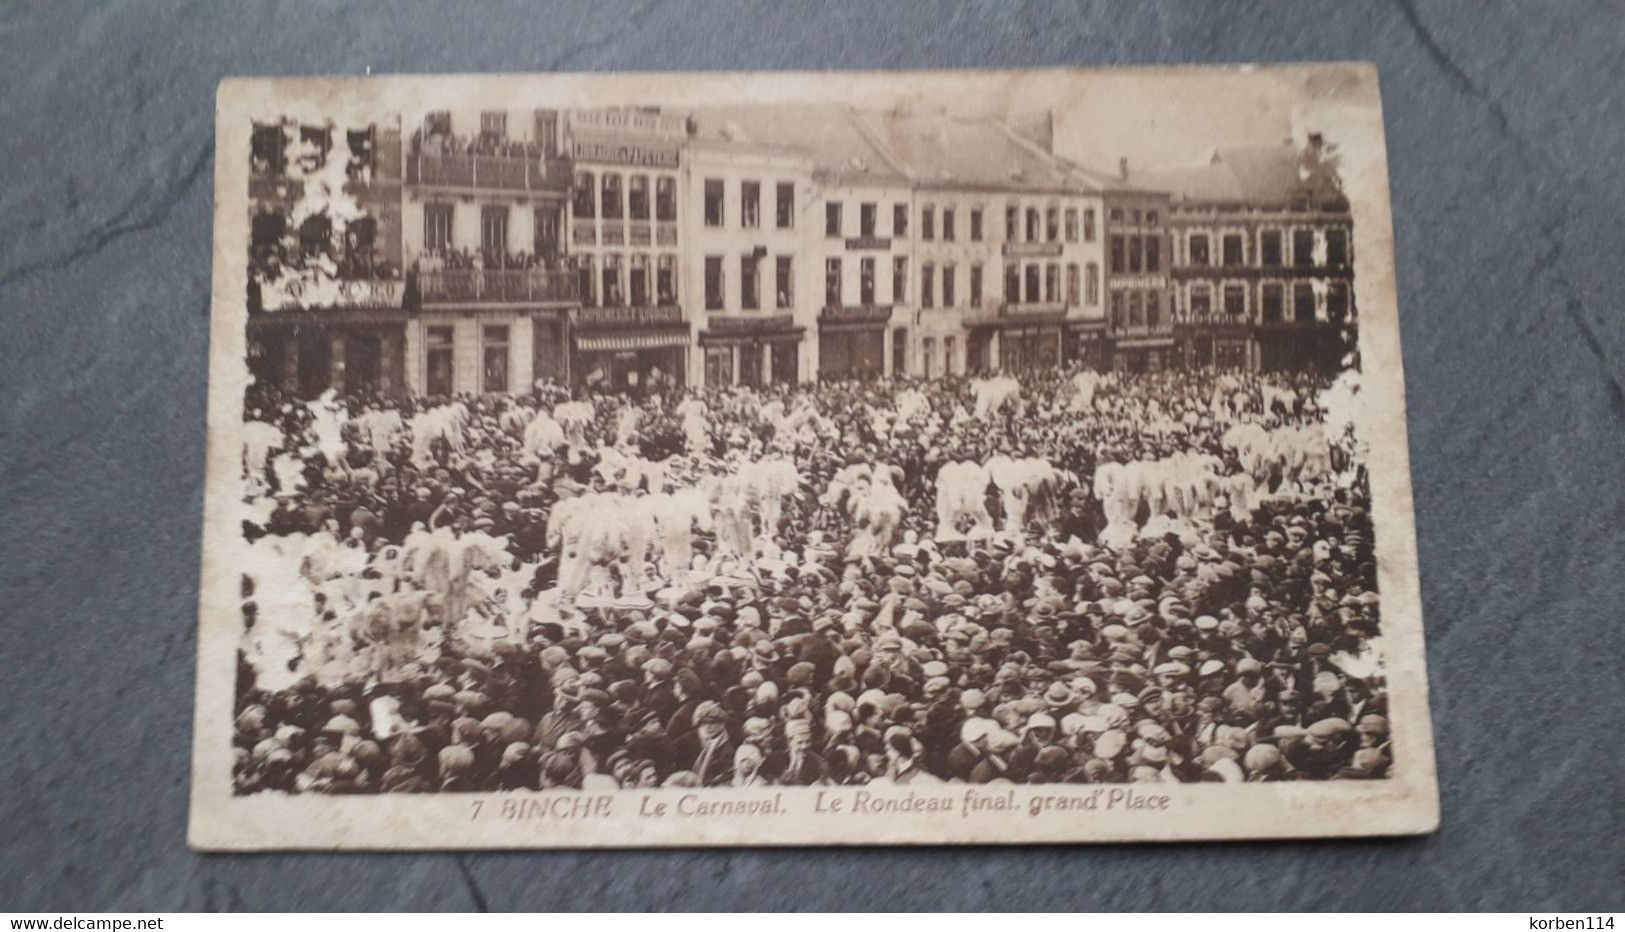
1505, 128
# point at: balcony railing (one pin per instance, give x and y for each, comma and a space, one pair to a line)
466, 286
497, 172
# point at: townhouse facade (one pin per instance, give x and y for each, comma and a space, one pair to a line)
622, 248
1262, 260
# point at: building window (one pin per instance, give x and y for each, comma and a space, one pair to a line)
611, 205
1273, 300
1269, 248
666, 281
613, 296
1136, 310
1153, 253
584, 198
1118, 260
494, 230
267, 149
1089, 225
1337, 302
438, 360
1115, 215
494, 124
638, 280
545, 226
1034, 295
1337, 248
1151, 218
976, 224
949, 347
750, 291
948, 232
1153, 310
832, 282
948, 276
899, 351
1235, 300
1052, 282
437, 226
1303, 248
586, 281
785, 206
1135, 258
1199, 249
928, 354
1201, 302
899, 220
1072, 224
1033, 224
719, 365
1091, 285
928, 222
866, 281
1074, 285
1052, 224
437, 123
899, 280
866, 220
665, 199
1231, 250
928, 276
784, 286
713, 202
976, 284
1012, 283
494, 339
1117, 309
713, 283
1012, 223
637, 197
750, 204
832, 219
1303, 302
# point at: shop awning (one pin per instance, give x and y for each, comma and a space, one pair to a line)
620, 342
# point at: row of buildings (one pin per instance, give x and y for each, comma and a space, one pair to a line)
614, 248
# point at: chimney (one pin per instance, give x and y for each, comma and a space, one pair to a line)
1122, 168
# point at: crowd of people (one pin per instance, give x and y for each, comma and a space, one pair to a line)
744, 587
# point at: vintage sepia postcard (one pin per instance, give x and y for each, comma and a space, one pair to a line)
781, 459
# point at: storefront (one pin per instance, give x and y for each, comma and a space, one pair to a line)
358, 347
1083, 343
1153, 354
852, 342
1014, 341
1228, 348
618, 349
752, 351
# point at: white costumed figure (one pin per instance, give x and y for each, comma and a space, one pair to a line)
993, 395
696, 428
962, 493
574, 416
260, 440
877, 513
676, 516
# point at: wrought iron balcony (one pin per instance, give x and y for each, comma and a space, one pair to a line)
488, 172
498, 286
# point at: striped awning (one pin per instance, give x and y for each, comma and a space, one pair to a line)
620, 342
